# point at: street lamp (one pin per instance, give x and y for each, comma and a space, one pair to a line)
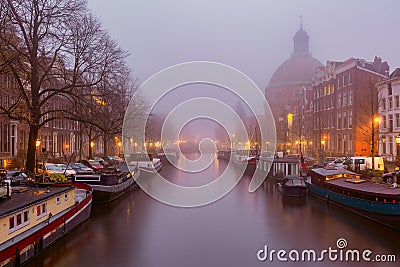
37, 144
119, 147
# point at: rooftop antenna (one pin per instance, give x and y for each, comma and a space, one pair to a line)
301, 22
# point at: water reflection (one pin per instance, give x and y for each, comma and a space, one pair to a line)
137, 230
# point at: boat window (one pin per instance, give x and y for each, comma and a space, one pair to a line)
19, 219
26, 216
66, 196
11, 223
58, 201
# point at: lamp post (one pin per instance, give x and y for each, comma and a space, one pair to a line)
119, 144
374, 120
321, 155
37, 144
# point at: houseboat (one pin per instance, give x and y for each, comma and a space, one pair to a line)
34, 217
293, 186
147, 163
378, 202
247, 158
111, 183
224, 154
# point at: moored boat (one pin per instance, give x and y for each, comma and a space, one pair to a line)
147, 163
293, 186
32, 219
224, 154
378, 202
247, 158
111, 183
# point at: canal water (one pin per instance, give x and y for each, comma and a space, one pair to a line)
137, 230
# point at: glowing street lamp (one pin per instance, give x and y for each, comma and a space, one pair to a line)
37, 144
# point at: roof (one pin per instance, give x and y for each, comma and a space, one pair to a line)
28, 198
366, 186
296, 70
331, 171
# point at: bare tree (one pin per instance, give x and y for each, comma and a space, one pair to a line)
59, 48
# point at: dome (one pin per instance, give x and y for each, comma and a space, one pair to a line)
296, 70
300, 67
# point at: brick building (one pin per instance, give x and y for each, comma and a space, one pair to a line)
345, 107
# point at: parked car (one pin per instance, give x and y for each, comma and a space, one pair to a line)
18, 177
49, 168
100, 160
68, 171
113, 160
389, 177
81, 168
94, 165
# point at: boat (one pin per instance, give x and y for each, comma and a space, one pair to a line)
375, 201
146, 162
111, 183
224, 154
246, 158
293, 186
35, 217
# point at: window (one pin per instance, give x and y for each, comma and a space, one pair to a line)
344, 99
390, 103
350, 142
396, 102
350, 78
350, 119
41, 210
11, 224
345, 120
338, 83
66, 197
18, 221
389, 87
391, 122
383, 104
26, 216
390, 145
384, 145
350, 97
58, 201
339, 142
384, 121
397, 117
339, 120
344, 80
339, 100
333, 88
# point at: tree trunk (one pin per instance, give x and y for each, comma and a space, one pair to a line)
31, 154
105, 144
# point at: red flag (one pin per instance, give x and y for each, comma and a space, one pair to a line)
303, 165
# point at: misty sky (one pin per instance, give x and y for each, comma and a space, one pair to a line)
252, 36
